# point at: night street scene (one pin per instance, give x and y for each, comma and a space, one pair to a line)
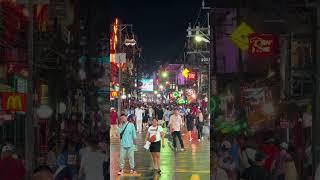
159, 90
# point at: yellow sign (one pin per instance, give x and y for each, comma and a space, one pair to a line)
195, 177
185, 73
114, 94
14, 103
240, 36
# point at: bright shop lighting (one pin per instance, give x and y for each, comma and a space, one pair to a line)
164, 74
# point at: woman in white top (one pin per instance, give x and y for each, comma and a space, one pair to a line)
154, 135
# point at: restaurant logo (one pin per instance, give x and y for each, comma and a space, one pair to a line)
114, 94
14, 102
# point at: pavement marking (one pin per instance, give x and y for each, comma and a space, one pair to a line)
195, 177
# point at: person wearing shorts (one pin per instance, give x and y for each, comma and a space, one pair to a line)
190, 125
155, 135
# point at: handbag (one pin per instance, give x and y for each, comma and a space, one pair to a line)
147, 145
121, 134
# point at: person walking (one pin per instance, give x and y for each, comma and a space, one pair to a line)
10, 167
284, 156
199, 125
167, 114
71, 158
160, 114
175, 124
145, 119
113, 123
190, 125
92, 162
42, 172
155, 135
128, 136
257, 171
139, 117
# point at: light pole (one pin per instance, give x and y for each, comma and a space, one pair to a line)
204, 38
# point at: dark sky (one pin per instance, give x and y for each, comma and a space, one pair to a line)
160, 24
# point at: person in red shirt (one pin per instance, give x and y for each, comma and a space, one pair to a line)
10, 168
271, 150
195, 110
113, 123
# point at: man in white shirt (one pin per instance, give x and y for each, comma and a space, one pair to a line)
139, 115
175, 125
92, 163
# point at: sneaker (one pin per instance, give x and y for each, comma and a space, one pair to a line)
199, 140
132, 171
182, 149
120, 172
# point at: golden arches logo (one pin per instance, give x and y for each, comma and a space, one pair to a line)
114, 94
14, 103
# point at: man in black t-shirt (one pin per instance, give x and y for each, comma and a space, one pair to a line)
160, 113
257, 171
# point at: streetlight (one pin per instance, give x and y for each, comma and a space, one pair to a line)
200, 38
164, 74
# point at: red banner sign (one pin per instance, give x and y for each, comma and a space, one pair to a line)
261, 45
192, 75
14, 102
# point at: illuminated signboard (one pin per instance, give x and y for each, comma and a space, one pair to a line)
14, 102
192, 75
114, 94
147, 85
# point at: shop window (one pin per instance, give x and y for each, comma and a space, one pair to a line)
301, 54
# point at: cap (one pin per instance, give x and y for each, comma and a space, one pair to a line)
284, 145
259, 156
7, 148
226, 144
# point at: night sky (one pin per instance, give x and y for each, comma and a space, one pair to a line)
159, 24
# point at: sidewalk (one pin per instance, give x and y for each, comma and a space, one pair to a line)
194, 161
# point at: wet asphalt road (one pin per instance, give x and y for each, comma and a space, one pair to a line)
193, 163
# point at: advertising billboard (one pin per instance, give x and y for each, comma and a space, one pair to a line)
147, 85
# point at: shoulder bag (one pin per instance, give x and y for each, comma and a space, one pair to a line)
122, 132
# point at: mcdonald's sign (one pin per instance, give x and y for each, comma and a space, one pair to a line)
114, 94
15, 102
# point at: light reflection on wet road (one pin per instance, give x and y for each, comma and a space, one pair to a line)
194, 161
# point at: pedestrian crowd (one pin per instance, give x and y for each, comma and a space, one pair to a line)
242, 158
156, 121
69, 161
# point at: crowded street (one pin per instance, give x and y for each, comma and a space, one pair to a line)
159, 90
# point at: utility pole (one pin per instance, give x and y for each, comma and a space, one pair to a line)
206, 54
29, 132
120, 60
316, 100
